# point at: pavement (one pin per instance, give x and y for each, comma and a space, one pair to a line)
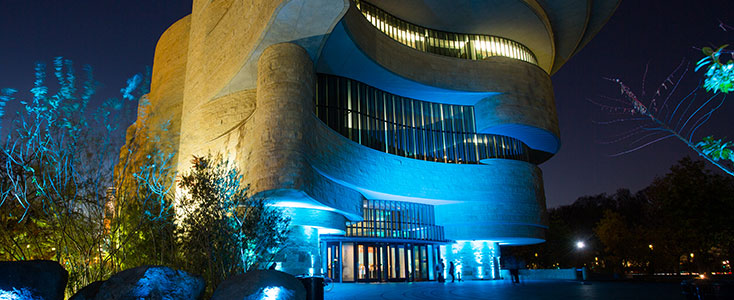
504, 289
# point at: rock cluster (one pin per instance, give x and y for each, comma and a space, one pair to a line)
146, 282
46, 280
32, 279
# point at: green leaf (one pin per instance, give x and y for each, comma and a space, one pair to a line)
707, 51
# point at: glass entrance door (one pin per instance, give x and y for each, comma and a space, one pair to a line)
333, 268
380, 261
397, 263
369, 262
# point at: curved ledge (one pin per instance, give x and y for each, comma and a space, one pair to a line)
503, 90
494, 74
452, 44
507, 195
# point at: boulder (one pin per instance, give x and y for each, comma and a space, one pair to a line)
151, 283
261, 284
88, 292
34, 279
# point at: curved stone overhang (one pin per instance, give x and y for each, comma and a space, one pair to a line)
304, 23
553, 30
511, 97
504, 198
226, 39
520, 21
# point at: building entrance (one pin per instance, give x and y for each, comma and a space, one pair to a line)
363, 261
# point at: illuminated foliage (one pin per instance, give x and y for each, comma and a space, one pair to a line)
60, 198
224, 231
663, 117
719, 76
667, 115
716, 149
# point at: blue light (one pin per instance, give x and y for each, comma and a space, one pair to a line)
271, 293
274, 293
15, 294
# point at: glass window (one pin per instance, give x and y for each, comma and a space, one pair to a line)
408, 127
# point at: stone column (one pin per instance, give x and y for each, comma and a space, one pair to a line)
277, 165
285, 85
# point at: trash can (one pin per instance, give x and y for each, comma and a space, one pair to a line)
581, 274
314, 287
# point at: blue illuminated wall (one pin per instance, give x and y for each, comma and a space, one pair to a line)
475, 260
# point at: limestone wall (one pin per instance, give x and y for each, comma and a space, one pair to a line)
167, 82
226, 40
287, 154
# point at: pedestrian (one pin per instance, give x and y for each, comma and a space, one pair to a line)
440, 269
451, 271
514, 267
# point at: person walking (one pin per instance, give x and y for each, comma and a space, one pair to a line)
440, 269
452, 270
512, 264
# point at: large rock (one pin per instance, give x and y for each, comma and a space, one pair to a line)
37, 279
151, 283
88, 292
261, 284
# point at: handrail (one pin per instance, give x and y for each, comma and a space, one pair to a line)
459, 45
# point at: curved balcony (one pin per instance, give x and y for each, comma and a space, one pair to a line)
510, 97
396, 220
459, 45
408, 127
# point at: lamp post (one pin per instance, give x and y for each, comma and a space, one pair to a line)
580, 245
651, 264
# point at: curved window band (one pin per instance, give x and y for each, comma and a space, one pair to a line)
408, 127
398, 220
459, 45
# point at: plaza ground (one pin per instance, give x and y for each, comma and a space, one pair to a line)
503, 289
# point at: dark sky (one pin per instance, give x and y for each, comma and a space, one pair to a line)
658, 34
117, 38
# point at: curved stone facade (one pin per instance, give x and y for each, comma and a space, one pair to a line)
515, 92
238, 78
502, 199
168, 78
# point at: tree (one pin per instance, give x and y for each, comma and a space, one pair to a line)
223, 231
690, 206
624, 244
58, 194
668, 115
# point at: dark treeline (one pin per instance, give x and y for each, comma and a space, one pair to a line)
682, 222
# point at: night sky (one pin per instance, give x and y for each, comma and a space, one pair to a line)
117, 38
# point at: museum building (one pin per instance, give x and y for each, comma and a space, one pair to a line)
395, 134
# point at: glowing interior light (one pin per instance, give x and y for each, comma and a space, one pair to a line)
492, 47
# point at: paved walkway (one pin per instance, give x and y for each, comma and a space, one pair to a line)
503, 289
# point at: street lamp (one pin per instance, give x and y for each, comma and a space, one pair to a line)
580, 270
580, 245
